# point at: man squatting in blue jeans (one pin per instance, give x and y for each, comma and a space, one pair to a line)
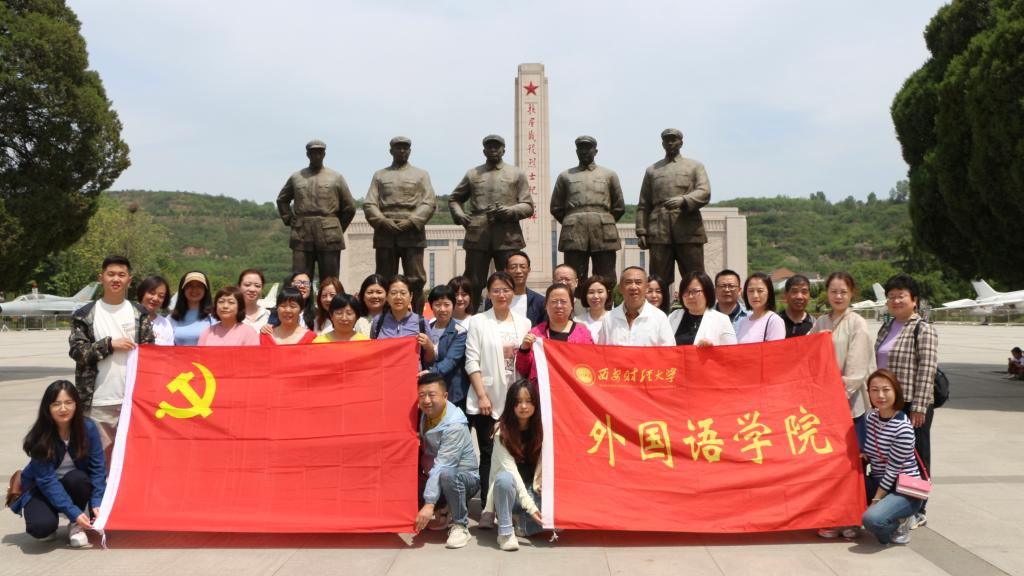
448, 464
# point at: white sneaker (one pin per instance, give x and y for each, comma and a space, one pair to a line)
77, 537
458, 536
902, 533
486, 521
918, 520
828, 533
508, 542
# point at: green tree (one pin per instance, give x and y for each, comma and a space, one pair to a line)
118, 227
960, 122
60, 141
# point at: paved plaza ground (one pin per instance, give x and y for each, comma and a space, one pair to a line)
975, 519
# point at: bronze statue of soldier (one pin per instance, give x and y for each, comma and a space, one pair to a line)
668, 220
398, 206
587, 202
316, 204
489, 202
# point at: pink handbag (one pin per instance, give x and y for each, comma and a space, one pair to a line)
913, 486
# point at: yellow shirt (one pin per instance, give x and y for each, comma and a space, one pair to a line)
330, 337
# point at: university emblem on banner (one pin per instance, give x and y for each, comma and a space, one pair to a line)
584, 374
198, 405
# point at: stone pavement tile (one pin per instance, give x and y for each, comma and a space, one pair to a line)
427, 556
661, 561
866, 556
766, 561
1009, 559
969, 526
362, 561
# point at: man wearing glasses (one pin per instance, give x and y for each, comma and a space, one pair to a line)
727, 296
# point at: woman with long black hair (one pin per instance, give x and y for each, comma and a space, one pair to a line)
515, 479
67, 471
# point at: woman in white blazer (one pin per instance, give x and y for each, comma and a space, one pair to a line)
491, 342
697, 322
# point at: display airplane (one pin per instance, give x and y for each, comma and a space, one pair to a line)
43, 304
988, 298
877, 304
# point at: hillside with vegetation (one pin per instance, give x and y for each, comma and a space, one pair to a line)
222, 235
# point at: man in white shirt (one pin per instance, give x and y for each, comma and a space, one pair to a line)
636, 322
103, 333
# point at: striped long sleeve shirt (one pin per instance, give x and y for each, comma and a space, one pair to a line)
889, 447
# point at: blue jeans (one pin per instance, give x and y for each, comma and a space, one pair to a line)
883, 517
458, 486
506, 503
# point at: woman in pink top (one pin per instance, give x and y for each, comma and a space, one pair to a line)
229, 305
762, 324
558, 302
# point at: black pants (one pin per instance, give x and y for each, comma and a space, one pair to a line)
329, 262
41, 517
602, 264
484, 426
665, 258
923, 443
412, 267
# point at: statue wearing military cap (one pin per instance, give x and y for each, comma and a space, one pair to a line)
489, 202
587, 202
668, 220
398, 205
316, 204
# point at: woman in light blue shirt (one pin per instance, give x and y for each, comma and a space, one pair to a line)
191, 313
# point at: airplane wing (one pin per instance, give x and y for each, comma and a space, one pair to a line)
965, 303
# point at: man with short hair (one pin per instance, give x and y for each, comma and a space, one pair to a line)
636, 322
727, 296
525, 302
566, 274
448, 463
103, 333
797, 294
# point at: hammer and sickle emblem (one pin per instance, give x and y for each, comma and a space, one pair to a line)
200, 406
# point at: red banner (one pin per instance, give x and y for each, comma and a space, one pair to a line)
305, 438
744, 438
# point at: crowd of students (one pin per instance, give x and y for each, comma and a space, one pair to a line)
478, 374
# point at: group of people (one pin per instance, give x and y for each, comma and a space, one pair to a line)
478, 373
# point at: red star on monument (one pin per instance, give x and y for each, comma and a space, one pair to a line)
531, 88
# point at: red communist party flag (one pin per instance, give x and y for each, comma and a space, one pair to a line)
743, 438
305, 438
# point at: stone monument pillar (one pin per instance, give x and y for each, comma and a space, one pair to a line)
533, 157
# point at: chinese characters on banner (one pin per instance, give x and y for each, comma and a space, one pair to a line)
726, 439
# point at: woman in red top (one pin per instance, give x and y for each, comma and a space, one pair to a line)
289, 309
558, 302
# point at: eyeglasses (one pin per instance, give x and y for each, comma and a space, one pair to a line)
728, 287
693, 293
560, 303
501, 290
298, 283
65, 404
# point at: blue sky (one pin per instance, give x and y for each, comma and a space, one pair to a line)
781, 97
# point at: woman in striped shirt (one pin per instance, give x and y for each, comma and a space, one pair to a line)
889, 448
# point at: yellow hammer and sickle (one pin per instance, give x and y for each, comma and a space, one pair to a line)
200, 405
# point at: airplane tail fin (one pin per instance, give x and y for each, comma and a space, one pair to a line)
879, 292
272, 294
86, 294
983, 289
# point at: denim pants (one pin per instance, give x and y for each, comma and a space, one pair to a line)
506, 503
458, 486
883, 517
41, 517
